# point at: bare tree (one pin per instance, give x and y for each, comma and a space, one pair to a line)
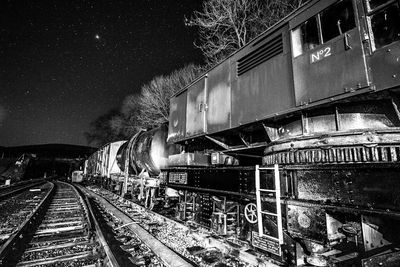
130, 111
155, 96
105, 129
154, 102
227, 25
146, 110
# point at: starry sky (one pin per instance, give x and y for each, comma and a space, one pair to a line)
64, 63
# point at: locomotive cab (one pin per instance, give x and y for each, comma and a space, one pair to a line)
328, 51
384, 35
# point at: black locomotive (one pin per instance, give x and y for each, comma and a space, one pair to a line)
293, 143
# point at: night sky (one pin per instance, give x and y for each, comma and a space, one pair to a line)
64, 63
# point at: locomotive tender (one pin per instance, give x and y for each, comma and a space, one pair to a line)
292, 144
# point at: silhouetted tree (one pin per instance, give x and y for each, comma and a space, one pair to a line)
105, 129
146, 110
130, 111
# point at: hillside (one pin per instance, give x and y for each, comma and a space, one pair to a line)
48, 151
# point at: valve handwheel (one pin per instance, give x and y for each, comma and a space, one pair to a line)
250, 212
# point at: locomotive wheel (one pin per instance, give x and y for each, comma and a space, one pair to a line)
250, 212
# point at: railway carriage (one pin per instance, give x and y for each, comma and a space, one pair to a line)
102, 164
292, 144
77, 177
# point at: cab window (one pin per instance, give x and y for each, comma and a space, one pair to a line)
335, 20
305, 37
385, 21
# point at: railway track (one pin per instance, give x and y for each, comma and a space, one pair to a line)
12, 190
63, 228
124, 242
197, 247
142, 247
59, 233
16, 209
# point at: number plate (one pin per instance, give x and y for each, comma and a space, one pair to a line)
177, 178
320, 54
266, 244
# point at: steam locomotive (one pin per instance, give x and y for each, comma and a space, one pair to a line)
292, 143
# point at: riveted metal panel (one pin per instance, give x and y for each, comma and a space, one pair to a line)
385, 65
195, 109
177, 117
218, 113
365, 185
231, 180
265, 89
307, 222
330, 69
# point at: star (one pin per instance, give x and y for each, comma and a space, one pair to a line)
69, 61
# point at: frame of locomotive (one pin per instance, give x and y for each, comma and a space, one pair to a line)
292, 144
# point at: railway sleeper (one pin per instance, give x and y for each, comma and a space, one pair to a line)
52, 251
55, 220
60, 241
70, 222
58, 259
55, 212
65, 208
49, 236
57, 246
58, 230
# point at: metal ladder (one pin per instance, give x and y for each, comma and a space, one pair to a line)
260, 212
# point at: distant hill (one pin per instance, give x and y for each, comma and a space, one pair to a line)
48, 151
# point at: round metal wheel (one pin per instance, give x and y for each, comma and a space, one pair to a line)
250, 212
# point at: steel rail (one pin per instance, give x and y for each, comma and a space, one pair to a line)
9, 248
72, 204
169, 257
110, 255
4, 193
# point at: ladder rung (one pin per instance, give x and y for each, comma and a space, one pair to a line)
271, 237
267, 190
269, 213
260, 198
